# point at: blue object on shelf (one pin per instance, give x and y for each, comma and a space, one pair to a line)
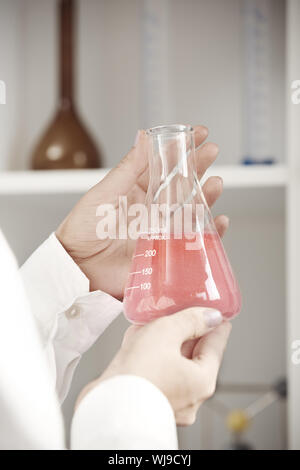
253, 161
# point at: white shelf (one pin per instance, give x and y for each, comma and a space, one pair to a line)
79, 181
239, 176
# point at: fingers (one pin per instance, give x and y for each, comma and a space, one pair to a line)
187, 416
202, 377
205, 156
188, 347
200, 134
133, 167
212, 189
187, 324
207, 357
209, 350
122, 178
221, 223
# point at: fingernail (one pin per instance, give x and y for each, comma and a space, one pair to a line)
136, 140
212, 318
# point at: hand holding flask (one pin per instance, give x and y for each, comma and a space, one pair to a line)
180, 261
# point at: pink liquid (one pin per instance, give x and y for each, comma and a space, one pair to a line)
167, 277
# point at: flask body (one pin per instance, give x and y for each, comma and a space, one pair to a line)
174, 267
66, 145
169, 278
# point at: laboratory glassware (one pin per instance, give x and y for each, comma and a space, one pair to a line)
66, 143
258, 87
179, 260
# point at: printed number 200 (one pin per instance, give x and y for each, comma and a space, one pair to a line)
149, 253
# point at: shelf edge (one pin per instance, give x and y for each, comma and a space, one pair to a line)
80, 181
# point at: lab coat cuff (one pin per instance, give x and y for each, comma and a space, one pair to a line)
77, 329
124, 413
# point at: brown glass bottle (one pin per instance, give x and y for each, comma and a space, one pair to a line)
66, 144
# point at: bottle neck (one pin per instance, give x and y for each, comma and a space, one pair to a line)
66, 31
172, 168
174, 199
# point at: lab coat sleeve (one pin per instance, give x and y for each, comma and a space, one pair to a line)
69, 317
30, 417
124, 413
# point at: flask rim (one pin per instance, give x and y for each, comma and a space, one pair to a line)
169, 130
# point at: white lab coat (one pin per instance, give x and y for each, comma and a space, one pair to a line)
48, 320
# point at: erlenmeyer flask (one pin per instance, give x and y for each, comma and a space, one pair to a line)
179, 260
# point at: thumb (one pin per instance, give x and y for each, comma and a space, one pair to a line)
212, 347
189, 323
121, 178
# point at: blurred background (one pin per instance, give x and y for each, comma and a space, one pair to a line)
138, 63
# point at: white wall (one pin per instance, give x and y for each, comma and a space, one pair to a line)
293, 254
10, 73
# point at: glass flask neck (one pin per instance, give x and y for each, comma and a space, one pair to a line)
171, 164
175, 201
